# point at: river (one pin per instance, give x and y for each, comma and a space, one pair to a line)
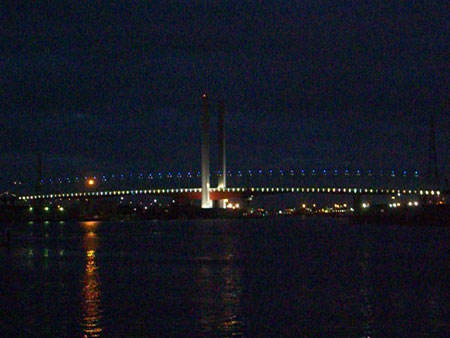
254, 278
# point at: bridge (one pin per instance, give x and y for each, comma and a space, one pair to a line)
235, 192
246, 183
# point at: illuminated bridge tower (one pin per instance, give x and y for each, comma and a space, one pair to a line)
206, 201
222, 182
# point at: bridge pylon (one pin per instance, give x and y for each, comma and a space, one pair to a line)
222, 181
206, 201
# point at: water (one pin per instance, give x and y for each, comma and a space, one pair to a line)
265, 277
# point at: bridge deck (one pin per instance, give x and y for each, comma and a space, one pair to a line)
218, 193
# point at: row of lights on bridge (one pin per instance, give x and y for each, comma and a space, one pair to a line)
239, 173
239, 190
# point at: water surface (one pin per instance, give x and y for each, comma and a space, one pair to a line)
264, 277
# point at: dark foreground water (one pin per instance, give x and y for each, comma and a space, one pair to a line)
267, 277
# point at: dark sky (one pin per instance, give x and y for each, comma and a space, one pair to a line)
114, 87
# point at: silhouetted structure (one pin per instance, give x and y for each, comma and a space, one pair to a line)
432, 158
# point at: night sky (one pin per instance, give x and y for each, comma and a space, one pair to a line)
116, 87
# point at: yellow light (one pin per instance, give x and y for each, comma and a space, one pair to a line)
91, 182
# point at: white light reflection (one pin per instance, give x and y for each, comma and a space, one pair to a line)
219, 290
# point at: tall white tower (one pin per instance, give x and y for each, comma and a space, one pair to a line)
206, 201
222, 182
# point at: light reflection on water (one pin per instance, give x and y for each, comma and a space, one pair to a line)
220, 291
225, 278
92, 308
